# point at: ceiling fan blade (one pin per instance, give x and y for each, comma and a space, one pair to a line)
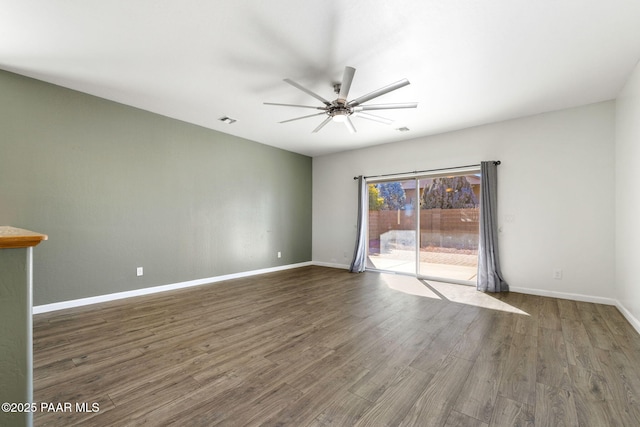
307, 91
385, 106
349, 124
293, 105
303, 117
373, 118
347, 79
379, 92
321, 125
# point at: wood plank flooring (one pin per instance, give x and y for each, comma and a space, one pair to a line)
316, 346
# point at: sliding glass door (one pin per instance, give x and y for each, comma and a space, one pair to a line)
449, 227
427, 226
392, 242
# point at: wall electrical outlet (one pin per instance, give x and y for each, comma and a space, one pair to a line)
139, 271
279, 254
557, 274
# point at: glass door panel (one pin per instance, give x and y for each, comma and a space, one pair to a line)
392, 243
449, 227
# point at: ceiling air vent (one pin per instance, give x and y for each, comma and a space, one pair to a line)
227, 120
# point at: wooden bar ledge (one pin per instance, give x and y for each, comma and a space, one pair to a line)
12, 237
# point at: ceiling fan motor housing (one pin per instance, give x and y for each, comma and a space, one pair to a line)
339, 110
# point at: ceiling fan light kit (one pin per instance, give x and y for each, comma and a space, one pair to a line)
340, 116
340, 110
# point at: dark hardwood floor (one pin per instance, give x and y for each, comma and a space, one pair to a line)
317, 346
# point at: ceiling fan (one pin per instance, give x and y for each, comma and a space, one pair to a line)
341, 110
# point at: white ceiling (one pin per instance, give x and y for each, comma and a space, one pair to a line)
470, 62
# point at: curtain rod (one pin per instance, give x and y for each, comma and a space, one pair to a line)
497, 162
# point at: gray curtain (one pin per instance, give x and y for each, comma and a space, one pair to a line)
359, 254
489, 275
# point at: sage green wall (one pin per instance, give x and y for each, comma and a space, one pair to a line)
13, 333
117, 188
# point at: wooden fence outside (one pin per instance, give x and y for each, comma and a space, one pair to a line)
461, 225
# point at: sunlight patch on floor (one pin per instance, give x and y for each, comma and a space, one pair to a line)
408, 285
469, 295
455, 293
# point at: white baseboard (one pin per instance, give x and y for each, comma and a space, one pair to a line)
630, 317
331, 265
565, 295
156, 289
